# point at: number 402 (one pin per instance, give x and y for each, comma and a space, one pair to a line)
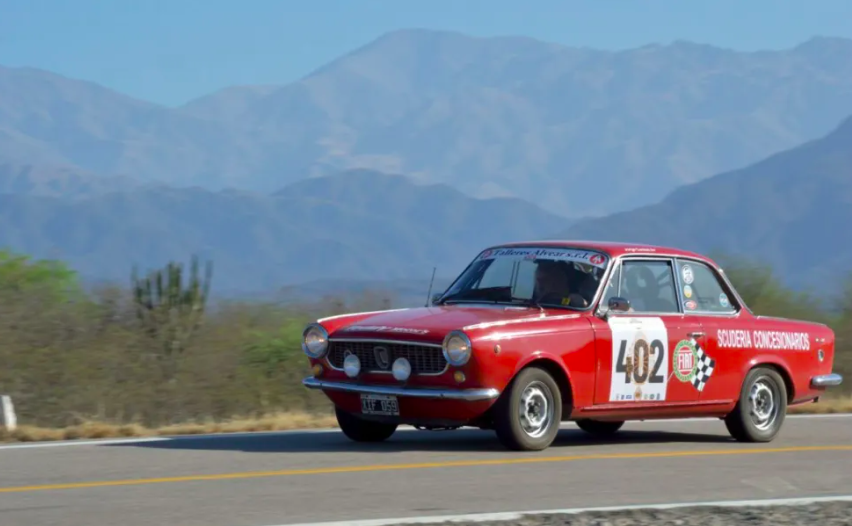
642, 353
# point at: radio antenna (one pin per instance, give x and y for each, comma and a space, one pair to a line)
431, 281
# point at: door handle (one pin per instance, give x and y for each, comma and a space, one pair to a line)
696, 335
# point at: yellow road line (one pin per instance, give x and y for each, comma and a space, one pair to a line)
423, 465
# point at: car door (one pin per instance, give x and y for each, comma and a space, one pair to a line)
642, 352
717, 372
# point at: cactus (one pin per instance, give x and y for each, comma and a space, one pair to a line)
170, 312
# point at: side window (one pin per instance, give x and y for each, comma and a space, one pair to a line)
701, 289
649, 286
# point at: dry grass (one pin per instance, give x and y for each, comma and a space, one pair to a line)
276, 422
94, 430
84, 366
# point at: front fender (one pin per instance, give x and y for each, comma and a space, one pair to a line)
542, 355
569, 352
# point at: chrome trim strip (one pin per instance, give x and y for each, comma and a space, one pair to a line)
826, 380
375, 340
467, 395
349, 314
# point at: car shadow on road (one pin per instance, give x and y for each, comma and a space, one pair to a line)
462, 440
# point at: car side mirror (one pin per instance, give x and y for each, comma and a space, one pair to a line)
615, 304
436, 297
618, 305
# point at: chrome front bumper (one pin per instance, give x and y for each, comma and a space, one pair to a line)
827, 380
467, 395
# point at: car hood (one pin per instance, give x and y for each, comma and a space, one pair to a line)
432, 323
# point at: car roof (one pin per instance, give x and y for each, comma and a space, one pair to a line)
612, 248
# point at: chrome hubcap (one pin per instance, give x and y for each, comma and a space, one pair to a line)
763, 404
536, 409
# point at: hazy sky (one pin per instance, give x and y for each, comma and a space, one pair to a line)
170, 51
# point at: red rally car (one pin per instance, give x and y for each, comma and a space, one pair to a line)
532, 334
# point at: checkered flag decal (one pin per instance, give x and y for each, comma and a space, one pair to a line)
703, 370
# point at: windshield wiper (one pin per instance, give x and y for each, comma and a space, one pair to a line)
530, 303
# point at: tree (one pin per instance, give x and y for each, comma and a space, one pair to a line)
765, 294
171, 313
22, 274
843, 332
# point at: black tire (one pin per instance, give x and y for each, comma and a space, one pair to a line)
508, 424
361, 430
599, 428
753, 420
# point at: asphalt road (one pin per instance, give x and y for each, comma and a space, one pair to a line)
285, 478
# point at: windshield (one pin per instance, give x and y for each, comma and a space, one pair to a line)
534, 276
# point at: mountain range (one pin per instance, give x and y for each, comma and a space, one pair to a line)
330, 233
791, 210
353, 225
422, 147
579, 132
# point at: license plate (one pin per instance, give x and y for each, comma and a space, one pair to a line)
372, 404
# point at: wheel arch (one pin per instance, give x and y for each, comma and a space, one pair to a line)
560, 375
782, 371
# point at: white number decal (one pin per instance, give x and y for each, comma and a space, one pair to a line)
640, 363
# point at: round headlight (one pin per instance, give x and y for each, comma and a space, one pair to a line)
315, 341
457, 348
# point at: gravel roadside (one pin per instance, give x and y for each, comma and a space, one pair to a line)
822, 514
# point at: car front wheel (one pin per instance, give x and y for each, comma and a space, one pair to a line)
361, 430
528, 414
761, 409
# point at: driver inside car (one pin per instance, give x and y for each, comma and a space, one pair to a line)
552, 285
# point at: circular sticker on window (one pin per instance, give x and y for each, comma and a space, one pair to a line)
690, 305
723, 300
686, 274
687, 291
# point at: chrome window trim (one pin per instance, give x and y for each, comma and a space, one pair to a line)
619, 262
672, 258
612, 263
389, 342
723, 282
591, 308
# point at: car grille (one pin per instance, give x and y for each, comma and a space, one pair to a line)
424, 359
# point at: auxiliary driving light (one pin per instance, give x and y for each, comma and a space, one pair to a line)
317, 370
459, 377
401, 369
351, 365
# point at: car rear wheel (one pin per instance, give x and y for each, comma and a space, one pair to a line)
361, 430
599, 428
527, 415
761, 409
